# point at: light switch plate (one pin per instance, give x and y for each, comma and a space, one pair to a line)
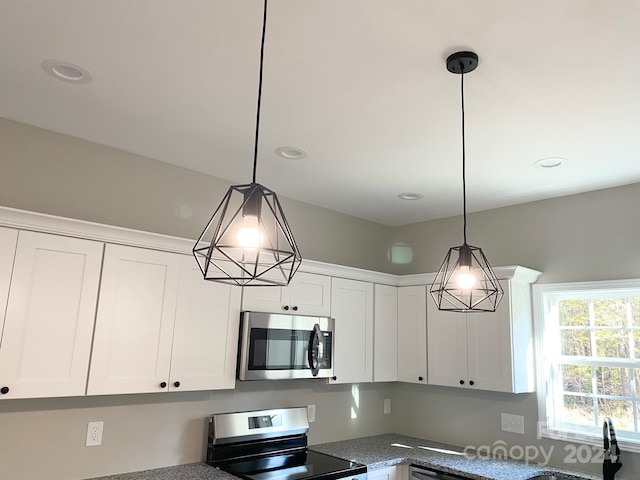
387, 405
512, 423
311, 413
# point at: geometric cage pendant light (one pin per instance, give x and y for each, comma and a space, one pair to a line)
465, 281
248, 241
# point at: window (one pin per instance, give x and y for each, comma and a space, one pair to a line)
588, 351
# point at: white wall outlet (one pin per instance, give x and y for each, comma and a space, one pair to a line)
387, 405
512, 423
311, 413
94, 434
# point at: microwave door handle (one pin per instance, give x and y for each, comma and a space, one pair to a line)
314, 362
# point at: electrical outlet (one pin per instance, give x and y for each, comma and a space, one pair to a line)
94, 434
311, 413
387, 405
512, 423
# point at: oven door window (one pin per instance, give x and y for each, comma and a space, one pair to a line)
285, 349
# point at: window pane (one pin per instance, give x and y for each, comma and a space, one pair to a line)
578, 410
620, 411
610, 312
613, 381
573, 313
576, 378
636, 341
575, 342
612, 343
635, 311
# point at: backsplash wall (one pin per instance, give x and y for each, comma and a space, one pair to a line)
43, 439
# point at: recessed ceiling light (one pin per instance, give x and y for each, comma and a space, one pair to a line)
410, 196
291, 153
550, 162
67, 72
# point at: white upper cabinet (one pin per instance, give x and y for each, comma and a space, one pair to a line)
161, 327
412, 334
8, 242
385, 334
50, 313
306, 294
352, 309
205, 337
486, 351
134, 325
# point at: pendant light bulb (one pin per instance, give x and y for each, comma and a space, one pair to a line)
248, 241
466, 278
250, 237
465, 281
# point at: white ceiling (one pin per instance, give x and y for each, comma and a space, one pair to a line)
360, 84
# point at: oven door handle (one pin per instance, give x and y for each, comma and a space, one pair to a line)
314, 359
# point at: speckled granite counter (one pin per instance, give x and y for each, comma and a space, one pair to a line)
192, 471
379, 452
391, 449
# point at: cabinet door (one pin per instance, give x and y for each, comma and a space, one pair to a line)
310, 294
352, 309
8, 242
388, 473
134, 324
50, 314
412, 334
385, 334
307, 294
205, 338
446, 347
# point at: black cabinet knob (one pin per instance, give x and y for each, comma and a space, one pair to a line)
420, 379
461, 382
176, 384
295, 308
163, 385
286, 307
4, 390
334, 378
471, 382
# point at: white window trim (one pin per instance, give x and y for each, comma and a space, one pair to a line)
542, 373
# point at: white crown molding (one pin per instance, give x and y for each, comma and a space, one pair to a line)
69, 227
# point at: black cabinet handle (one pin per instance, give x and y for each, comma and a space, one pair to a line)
461, 382
286, 307
334, 378
4, 390
420, 379
295, 308
163, 385
471, 382
176, 384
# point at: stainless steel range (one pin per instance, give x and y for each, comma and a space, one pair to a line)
270, 445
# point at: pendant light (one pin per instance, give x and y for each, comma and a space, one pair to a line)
465, 281
248, 241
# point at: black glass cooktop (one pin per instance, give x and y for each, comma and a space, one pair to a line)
307, 465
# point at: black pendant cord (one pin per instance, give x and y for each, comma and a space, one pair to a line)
255, 146
464, 180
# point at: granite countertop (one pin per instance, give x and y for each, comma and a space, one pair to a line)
384, 451
387, 450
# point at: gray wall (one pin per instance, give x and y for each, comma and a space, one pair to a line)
582, 237
591, 236
46, 172
43, 439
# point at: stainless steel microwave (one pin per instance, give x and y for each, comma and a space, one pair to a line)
278, 347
